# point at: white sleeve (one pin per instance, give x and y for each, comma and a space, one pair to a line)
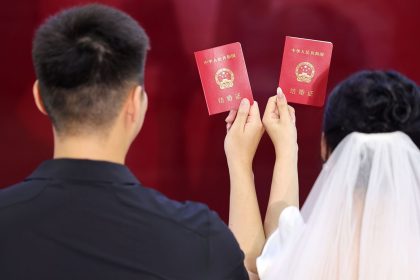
290, 222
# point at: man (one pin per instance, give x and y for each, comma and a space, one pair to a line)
83, 215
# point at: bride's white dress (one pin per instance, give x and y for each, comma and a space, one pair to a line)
360, 221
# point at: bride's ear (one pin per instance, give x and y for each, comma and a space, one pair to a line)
325, 153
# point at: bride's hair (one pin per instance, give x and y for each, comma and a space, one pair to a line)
373, 102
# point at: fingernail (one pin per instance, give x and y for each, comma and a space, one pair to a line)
280, 93
244, 102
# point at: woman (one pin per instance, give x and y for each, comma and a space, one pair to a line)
362, 217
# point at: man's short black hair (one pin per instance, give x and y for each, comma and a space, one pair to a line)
373, 102
85, 59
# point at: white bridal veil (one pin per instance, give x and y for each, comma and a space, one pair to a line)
361, 219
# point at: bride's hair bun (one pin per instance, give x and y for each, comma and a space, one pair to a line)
373, 102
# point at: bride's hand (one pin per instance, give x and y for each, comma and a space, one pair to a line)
244, 132
280, 122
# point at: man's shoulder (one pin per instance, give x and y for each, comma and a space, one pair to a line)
193, 216
225, 258
19, 193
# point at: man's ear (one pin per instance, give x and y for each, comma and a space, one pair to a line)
37, 98
134, 103
324, 148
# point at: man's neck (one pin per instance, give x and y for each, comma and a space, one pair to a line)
92, 148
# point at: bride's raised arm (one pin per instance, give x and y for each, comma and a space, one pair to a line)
244, 133
279, 121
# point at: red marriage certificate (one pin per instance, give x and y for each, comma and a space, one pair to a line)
304, 70
224, 77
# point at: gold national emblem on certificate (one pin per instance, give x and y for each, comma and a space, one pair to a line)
305, 71
224, 78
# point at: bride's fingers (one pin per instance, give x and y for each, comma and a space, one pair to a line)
228, 126
282, 105
270, 108
242, 114
231, 116
292, 114
254, 112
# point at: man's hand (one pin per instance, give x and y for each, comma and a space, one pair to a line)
244, 132
280, 122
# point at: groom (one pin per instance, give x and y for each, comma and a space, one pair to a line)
83, 214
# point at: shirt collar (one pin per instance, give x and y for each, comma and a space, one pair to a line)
87, 170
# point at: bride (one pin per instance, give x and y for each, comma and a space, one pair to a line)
362, 217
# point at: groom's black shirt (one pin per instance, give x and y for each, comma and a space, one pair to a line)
80, 219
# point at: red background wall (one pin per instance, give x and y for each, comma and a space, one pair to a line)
180, 149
